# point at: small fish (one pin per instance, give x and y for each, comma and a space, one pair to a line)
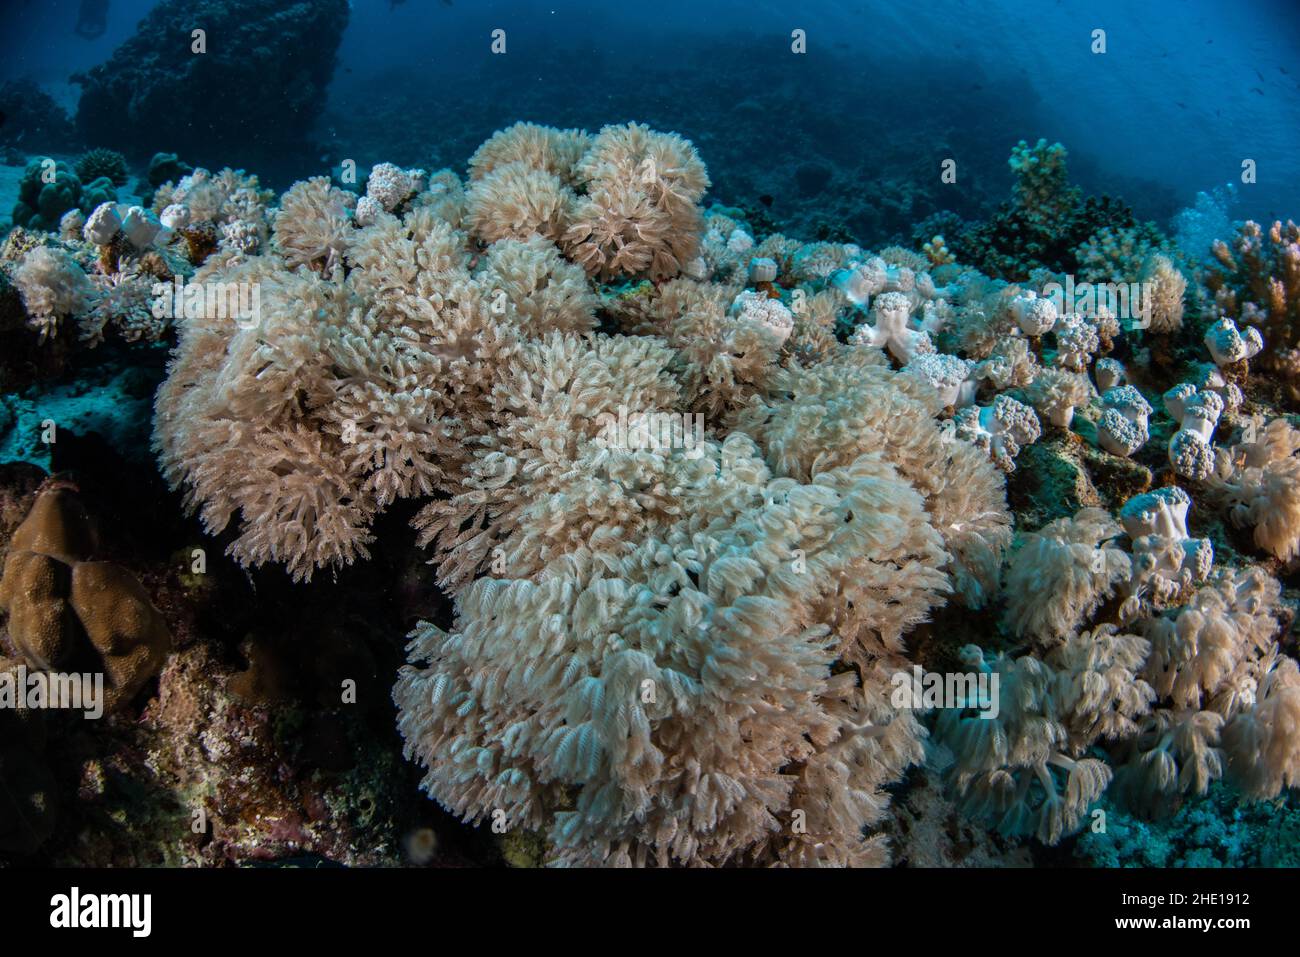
2, 117
1260, 75
1255, 89
1182, 106
765, 199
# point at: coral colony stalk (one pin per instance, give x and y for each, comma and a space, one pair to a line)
694, 492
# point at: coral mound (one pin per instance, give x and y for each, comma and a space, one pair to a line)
66, 609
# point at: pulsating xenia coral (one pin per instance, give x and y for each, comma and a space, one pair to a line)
339, 396
693, 494
1062, 573
679, 703
1027, 766
832, 412
312, 224
53, 286
536, 288
640, 214
565, 469
624, 203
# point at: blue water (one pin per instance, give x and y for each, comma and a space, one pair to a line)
1186, 90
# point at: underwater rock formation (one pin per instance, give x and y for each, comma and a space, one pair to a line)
33, 118
162, 90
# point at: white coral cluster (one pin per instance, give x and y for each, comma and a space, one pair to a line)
767, 312
1228, 345
1197, 412
1124, 427
1166, 559
890, 312
229, 208
1000, 430
1034, 316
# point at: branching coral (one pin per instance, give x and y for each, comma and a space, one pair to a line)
1256, 279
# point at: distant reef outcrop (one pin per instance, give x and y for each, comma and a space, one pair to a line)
168, 87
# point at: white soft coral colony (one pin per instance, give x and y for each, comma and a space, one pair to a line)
673, 652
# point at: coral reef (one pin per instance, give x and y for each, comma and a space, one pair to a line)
1255, 279
33, 118
692, 502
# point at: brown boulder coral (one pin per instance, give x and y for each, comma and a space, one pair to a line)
65, 610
